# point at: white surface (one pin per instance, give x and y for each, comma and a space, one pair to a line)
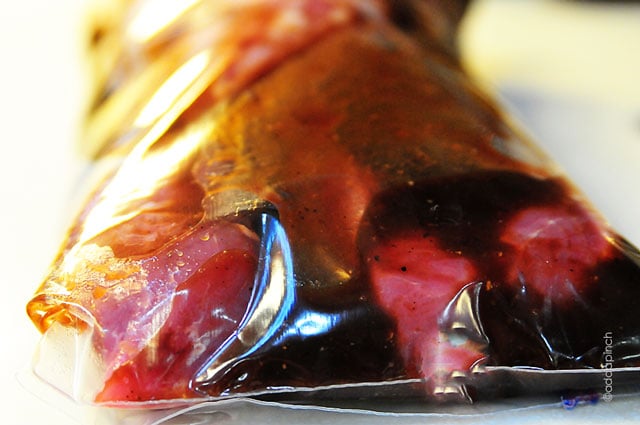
39, 103
591, 124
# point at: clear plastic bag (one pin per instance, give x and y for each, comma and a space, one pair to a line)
309, 201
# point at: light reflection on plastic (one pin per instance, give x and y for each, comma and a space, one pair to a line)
271, 302
273, 297
460, 319
155, 15
155, 319
147, 171
278, 297
172, 88
312, 323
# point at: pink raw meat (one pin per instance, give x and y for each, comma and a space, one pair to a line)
199, 290
414, 280
552, 250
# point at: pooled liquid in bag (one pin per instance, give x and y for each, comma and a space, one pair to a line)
319, 198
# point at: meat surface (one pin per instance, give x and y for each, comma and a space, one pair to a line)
414, 280
554, 249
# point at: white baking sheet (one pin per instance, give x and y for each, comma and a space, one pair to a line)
569, 71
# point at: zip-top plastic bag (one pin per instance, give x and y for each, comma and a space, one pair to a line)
309, 200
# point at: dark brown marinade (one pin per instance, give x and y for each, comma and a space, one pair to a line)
359, 347
415, 128
465, 213
574, 336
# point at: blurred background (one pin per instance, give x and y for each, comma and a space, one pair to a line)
567, 70
570, 71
